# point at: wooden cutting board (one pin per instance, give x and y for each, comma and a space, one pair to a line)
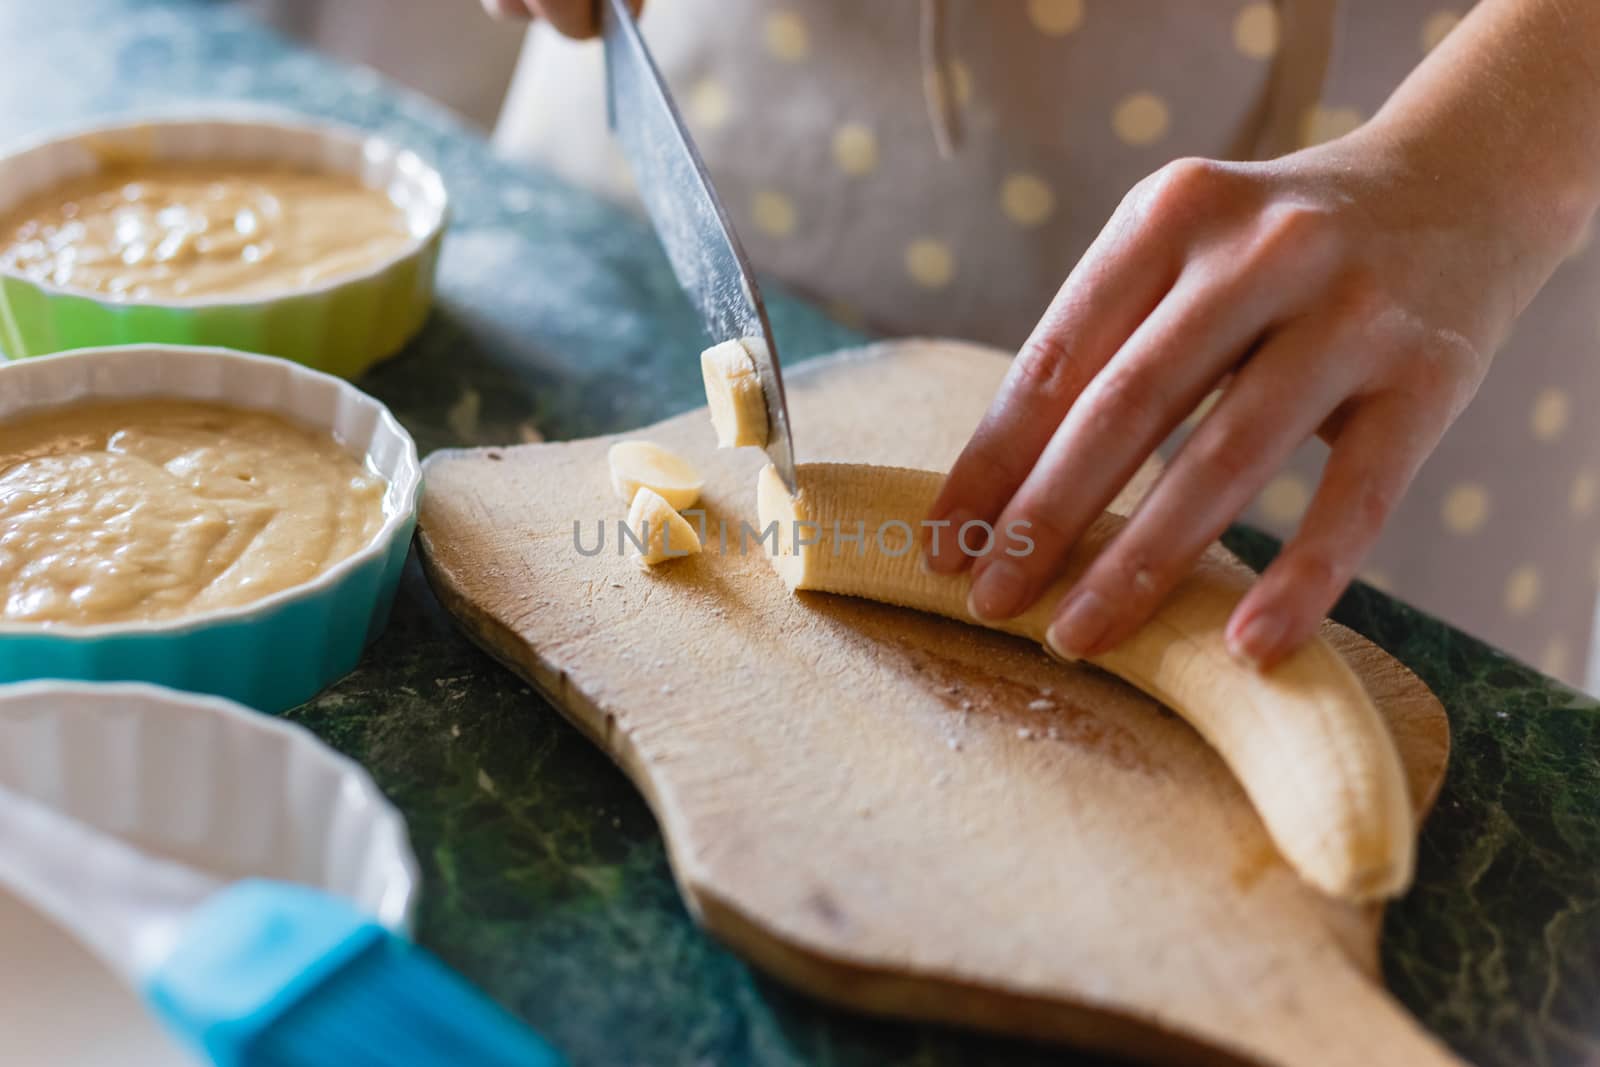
902, 813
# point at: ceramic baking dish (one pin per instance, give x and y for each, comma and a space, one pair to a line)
342, 326
187, 778
278, 651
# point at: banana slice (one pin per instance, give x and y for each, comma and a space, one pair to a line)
1304, 739
733, 392
639, 465
660, 532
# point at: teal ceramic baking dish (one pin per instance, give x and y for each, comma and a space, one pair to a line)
276, 652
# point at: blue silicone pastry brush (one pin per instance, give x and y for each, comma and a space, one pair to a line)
257, 973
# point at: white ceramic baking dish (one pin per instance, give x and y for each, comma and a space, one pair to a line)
189, 778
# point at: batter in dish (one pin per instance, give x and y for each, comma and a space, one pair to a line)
160, 509
200, 231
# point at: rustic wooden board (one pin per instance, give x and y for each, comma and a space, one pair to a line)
902, 813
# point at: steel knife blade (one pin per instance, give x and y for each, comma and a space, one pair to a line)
688, 216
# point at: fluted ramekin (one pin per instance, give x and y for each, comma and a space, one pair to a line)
342, 326
273, 653
187, 778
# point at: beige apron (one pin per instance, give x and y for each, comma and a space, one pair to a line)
937, 166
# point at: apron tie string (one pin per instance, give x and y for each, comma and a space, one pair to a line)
936, 92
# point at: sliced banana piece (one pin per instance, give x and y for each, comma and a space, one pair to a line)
733, 393
639, 465
1304, 739
660, 533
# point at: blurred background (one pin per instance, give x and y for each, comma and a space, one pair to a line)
447, 49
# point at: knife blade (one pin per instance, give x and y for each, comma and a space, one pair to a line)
689, 218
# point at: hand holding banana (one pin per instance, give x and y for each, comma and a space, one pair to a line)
1355, 291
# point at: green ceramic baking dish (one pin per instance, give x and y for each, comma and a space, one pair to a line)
273, 653
342, 326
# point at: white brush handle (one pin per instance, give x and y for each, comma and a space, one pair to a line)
125, 907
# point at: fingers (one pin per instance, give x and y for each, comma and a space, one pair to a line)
1277, 400
1177, 355
1119, 281
1377, 453
573, 18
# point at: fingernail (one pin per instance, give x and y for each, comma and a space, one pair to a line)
1256, 641
948, 559
1080, 625
998, 591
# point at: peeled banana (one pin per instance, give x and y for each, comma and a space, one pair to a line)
733, 393
659, 532
639, 465
1304, 739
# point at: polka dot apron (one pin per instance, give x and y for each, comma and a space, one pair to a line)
937, 166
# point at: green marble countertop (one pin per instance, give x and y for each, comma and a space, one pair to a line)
546, 881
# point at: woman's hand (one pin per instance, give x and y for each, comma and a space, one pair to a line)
1325, 296
575, 18
1355, 290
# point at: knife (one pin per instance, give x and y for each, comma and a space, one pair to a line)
689, 219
